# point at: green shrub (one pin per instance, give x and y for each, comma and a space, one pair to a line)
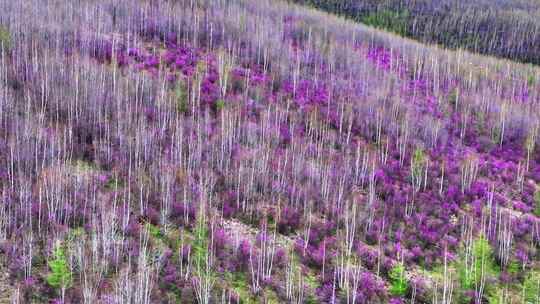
5, 38
481, 263
75, 234
181, 95
531, 288
220, 104
200, 246
313, 283
388, 20
514, 268
60, 276
496, 296
418, 161
537, 203
531, 80
239, 283
398, 281
154, 231
418, 165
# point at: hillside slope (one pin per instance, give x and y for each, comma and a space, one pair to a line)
238, 151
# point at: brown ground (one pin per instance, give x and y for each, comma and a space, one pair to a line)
5, 288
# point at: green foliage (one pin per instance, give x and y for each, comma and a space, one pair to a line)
453, 97
495, 296
496, 134
75, 234
154, 231
398, 281
272, 297
84, 166
313, 283
311, 299
531, 80
200, 246
435, 273
200, 69
172, 238
537, 202
238, 281
418, 165
388, 20
113, 183
181, 97
60, 276
220, 104
482, 263
514, 268
531, 288
419, 159
5, 38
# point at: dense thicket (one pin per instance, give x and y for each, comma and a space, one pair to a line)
508, 29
